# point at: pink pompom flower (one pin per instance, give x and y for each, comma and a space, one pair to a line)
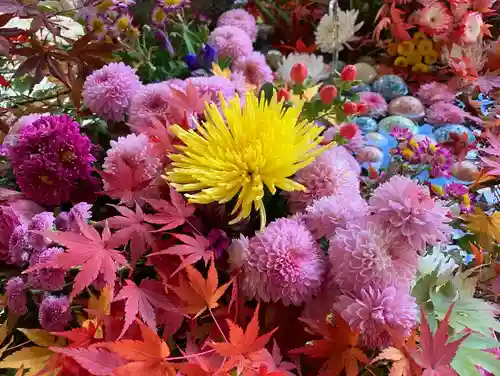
231, 41
435, 92
239, 18
255, 69
16, 296
54, 313
377, 105
50, 279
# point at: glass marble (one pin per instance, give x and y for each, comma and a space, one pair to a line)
366, 73
390, 86
391, 122
443, 132
370, 154
465, 171
366, 124
359, 89
377, 139
407, 106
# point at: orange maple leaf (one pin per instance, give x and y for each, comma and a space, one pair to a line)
199, 293
402, 362
146, 357
478, 254
338, 347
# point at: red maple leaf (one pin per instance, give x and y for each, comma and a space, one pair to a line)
90, 251
398, 25
143, 299
193, 250
131, 228
435, 353
170, 214
80, 337
97, 361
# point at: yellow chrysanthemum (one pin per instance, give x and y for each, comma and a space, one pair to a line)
406, 48
414, 58
392, 49
419, 36
401, 62
431, 58
425, 47
239, 150
420, 67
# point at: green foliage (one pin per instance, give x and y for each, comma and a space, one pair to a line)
473, 352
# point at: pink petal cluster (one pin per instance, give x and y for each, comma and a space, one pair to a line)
255, 69
16, 296
108, 91
49, 279
441, 113
375, 309
407, 210
231, 41
377, 105
333, 173
283, 262
435, 92
239, 18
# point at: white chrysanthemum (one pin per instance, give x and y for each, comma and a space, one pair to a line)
326, 33
316, 68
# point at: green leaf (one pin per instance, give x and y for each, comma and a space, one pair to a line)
268, 89
421, 290
466, 360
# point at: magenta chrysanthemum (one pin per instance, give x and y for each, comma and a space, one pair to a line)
16, 296
107, 92
377, 105
407, 210
363, 254
377, 309
283, 262
54, 313
212, 86
239, 18
8, 222
327, 214
255, 69
50, 279
231, 42
333, 173
51, 160
435, 92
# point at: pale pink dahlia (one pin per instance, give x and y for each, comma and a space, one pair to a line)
333, 173
407, 210
436, 19
231, 42
283, 262
435, 92
441, 113
363, 254
108, 91
255, 69
375, 309
239, 18
377, 105
327, 214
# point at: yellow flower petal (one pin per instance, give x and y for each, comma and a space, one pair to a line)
419, 36
406, 48
420, 67
414, 58
401, 62
425, 47
431, 58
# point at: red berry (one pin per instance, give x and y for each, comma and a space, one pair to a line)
349, 73
350, 108
328, 94
362, 108
349, 130
298, 74
283, 94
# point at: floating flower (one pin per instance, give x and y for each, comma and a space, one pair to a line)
436, 18
331, 174
239, 18
435, 92
255, 69
231, 42
335, 32
407, 209
375, 309
51, 160
260, 145
283, 262
317, 69
377, 105
54, 313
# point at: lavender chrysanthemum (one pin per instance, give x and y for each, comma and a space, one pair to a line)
214, 85
283, 262
376, 309
239, 18
40, 222
231, 42
16, 296
409, 213
50, 279
255, 69
327, 214
108, 91
54, 313
67, 221
20, 249
51, 160
333, 173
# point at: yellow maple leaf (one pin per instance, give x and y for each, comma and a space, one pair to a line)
486, 227
102, 304
39, 337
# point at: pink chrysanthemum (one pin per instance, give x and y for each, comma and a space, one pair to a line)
134, 154
377, 105
441, 113
231, 42
363, 254
50, 279
327, 214
407, 210
212, 86
435, 92
283, 262
52, 160
331, 174
40, 222
239, 18
436, 19
20, 249
68, 221
16, 296
470, 29
255, 69
375, 309
54, 313
108, 91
